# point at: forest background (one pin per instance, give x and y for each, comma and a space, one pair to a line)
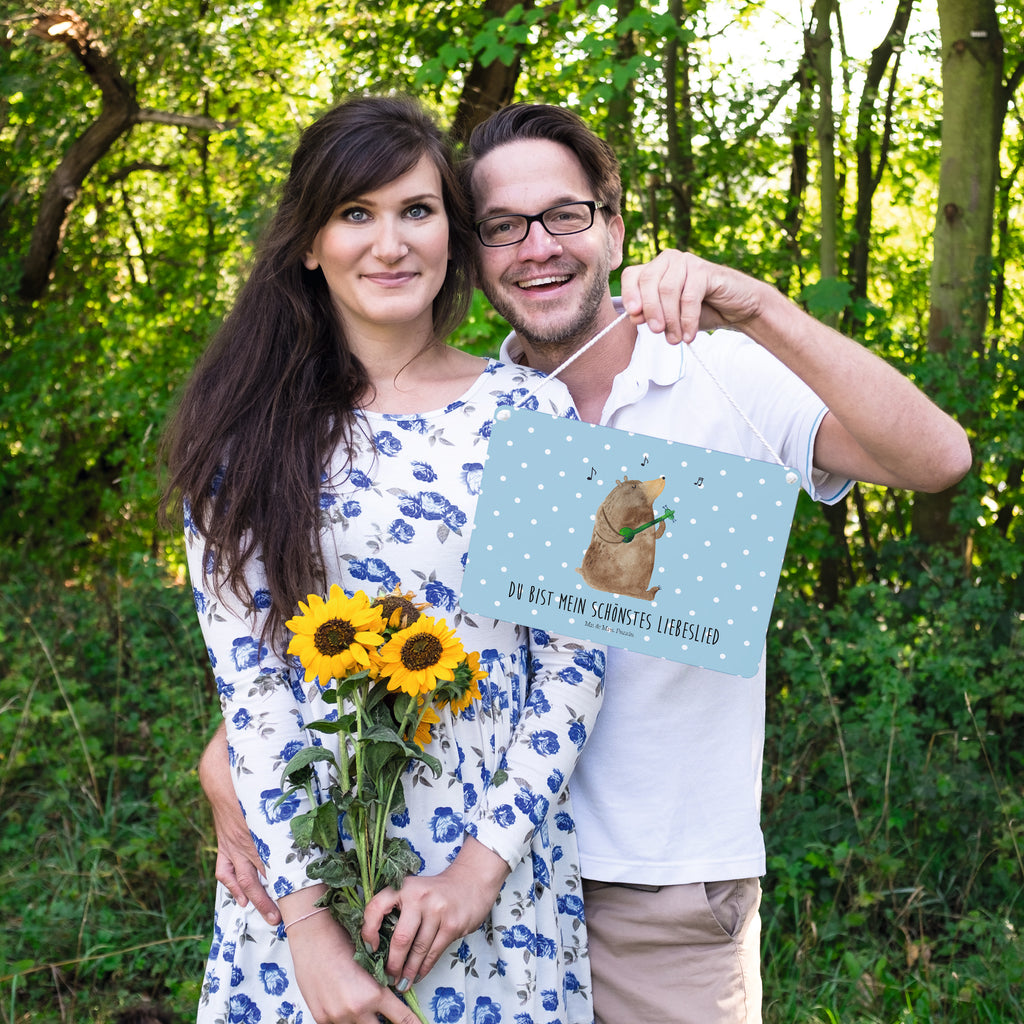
866, 158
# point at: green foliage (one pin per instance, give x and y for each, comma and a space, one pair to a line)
892, 802
107, 867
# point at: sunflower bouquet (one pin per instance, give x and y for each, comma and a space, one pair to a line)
390, 669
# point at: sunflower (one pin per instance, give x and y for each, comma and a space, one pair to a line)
423, 734
400, 609
417, 657
332, 636
472, 692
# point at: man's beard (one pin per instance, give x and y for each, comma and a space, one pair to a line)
567, 336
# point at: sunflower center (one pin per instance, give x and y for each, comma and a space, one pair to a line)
334, 636
421, 651
391, 603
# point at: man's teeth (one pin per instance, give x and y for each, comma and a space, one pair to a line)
538, 281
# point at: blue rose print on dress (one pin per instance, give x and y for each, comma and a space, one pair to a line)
555, 780
274, 978
578, 734
549, 999
199, 598
387, 444
357, 478
282, 887
533, 805
487, 1011
415, 424
327, 501
241, 718
564, 822
441, 596
446, 825
289, 750
424, 472
505, 816
262, 600
242, 1010
571, 675
572, 905
519, 937
237, 977
246, 652
590, 660
538, 702
545, 742
401, 531
448, 1005
374, 570
274, 811
351, 509
472, 474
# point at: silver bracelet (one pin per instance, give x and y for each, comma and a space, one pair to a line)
312, 913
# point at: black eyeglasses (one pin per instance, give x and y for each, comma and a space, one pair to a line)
564, 219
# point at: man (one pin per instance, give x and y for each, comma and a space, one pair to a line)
667, 792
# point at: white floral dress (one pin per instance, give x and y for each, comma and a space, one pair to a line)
402, 516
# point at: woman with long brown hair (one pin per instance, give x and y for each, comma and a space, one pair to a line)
331, 436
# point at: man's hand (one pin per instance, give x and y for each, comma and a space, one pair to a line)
238, 864
435, 910
678, 293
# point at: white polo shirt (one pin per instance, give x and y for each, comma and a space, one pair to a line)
668, 789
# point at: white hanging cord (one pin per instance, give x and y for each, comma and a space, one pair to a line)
732, 401
593, 341
721, 387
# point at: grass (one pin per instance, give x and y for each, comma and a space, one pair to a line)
893, 809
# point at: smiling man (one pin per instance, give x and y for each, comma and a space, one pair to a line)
667, 792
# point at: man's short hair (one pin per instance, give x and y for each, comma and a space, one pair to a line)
520, 121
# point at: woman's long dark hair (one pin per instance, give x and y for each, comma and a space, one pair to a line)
273, 396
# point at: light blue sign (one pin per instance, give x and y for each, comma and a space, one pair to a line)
628, 540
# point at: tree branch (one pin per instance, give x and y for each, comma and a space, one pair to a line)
119, 112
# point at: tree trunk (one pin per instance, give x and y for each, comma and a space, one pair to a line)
973, 105
487, 89
117, 115
679, 132
869, 170
819, 55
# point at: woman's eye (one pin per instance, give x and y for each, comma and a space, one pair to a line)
354, 214
419, 211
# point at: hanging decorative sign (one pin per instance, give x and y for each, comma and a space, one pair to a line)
621, 539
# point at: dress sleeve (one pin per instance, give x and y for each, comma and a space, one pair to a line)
565, 690
263, 706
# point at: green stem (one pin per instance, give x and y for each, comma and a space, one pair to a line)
414, 1004
360, 833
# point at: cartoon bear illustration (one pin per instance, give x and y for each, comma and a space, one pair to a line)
620, 558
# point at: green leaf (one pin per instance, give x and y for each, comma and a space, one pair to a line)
325, 826
299, 769
303, 826
339, 870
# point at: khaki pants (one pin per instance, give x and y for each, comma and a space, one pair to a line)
675, 954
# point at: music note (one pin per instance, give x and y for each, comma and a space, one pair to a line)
593, 470
699, 482
646, 460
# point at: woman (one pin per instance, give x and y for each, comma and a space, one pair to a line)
329, 435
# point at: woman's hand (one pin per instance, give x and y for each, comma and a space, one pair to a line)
435, 910
336, 989
238, 864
